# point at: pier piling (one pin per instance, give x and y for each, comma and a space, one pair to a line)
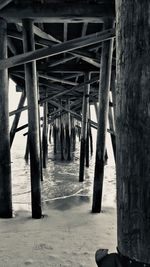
5, 161
33, 119
104, 87
84, 128
133, 130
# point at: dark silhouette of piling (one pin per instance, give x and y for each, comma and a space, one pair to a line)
33, 119
5, 161
104, 87
84, 128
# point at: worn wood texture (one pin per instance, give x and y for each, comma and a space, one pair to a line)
33, 119
5, 162
133, 128
104, 87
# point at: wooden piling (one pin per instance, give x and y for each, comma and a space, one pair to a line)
104, 87
68, 133
90, 136
55, 137
113, 92
112, 129
26, 156
84, 129
73, 134
133, 129
50, 134
87, 145
16, 118
5, 161
45, 131
33, 119
88, 128
62, 139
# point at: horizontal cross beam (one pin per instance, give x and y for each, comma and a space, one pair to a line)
69, 12
4, 3
57, 49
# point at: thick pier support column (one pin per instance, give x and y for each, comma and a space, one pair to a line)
5, 162
104, 87
33, 118
84, 129
45, 132
16, 118
133, 129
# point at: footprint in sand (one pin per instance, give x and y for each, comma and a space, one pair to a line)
29, 262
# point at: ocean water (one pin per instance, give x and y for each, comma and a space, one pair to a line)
60, 178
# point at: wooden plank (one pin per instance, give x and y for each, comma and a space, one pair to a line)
58, 49
33, 119
69, 12
5, 161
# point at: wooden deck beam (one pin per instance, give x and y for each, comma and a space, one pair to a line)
58, 49
4, 3
73, 12
60, 94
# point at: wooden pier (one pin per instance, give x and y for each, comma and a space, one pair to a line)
67, 56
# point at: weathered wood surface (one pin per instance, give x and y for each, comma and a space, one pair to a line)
104, 87
57, 49
133, 128
5, 161
69, 12
33, 118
